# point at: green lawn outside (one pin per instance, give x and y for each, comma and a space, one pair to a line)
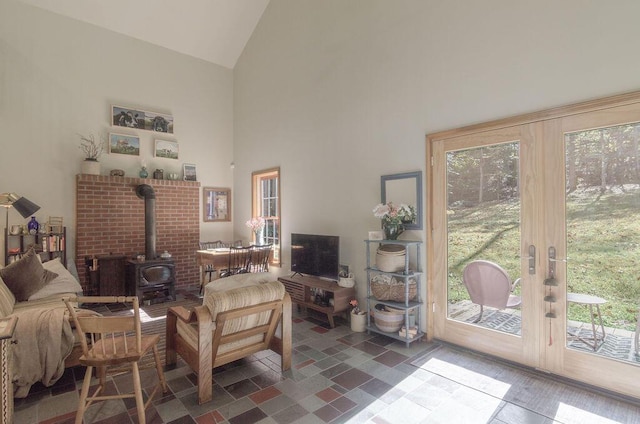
603, 244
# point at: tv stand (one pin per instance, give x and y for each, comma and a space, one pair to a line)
304, 290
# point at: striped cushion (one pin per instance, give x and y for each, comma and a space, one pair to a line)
7, 300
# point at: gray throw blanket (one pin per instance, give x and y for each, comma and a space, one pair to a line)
44, 339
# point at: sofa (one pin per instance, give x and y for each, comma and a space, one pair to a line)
44, 342
241, 315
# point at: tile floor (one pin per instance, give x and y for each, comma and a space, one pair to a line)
343, 377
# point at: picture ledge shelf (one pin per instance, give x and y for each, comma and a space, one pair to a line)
136, 180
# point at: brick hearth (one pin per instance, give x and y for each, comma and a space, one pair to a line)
110, 221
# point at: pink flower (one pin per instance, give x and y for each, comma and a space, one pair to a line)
256, 224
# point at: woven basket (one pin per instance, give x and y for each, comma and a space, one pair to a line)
388, 321
392, 289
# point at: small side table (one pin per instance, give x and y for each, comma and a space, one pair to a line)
7, 326
586, 299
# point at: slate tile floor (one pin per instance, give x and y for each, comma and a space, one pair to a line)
343, 377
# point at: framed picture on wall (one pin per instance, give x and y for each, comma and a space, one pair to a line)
125, 117
166, 149
141, 119
124, 144
189, 171
216, 204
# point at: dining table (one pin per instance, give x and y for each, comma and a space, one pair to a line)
217, 257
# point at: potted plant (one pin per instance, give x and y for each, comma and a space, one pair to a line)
358, 317
92, 150
394, 217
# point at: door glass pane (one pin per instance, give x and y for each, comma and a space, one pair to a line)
483, 224
603, 240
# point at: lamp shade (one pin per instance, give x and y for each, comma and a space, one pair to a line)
25, 207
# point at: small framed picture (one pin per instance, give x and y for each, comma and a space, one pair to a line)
125, 117
158, 122
216, 204
124, 144
376, 235
166, 149
189, 171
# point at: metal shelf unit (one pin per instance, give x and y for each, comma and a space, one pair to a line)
408, 306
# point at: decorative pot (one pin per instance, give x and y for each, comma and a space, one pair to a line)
392, 231
143, 172
91, 167
358, 322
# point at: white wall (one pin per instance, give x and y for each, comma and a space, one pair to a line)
340, 92
59, 77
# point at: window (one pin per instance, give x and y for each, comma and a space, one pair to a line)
265, 188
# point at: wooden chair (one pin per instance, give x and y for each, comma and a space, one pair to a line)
489, 285
260, 258
113, 341
239, 261
237, 319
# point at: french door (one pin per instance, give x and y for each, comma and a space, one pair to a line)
553, 199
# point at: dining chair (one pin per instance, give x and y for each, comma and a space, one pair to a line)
239, 261
489, 285
113, 341
260, 257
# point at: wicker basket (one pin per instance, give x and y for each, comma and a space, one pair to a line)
388, 321
384, 287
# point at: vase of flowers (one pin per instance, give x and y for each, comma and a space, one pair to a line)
256, 225
394, 217
358, 317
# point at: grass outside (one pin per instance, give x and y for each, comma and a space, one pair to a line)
603, 245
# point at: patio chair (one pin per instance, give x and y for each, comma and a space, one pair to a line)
489, 285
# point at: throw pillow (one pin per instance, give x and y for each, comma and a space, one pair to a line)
26, 276
7, 300
64, 283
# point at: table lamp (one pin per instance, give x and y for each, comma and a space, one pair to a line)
24, 206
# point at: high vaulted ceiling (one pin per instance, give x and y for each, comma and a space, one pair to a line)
213, 30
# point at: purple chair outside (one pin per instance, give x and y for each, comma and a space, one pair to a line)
489, 285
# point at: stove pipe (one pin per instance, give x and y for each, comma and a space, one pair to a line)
145, 191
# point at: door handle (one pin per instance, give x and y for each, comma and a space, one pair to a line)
532, 259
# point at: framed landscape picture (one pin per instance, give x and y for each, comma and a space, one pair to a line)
189, 171
166, 149
124, 144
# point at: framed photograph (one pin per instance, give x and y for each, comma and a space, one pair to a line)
216, 204
166, 149
189, 171
158, 122
141, 119
376, 235
124, 144
125, 117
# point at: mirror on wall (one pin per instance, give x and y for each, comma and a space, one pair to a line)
404, 188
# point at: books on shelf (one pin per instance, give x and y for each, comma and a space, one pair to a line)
53, 243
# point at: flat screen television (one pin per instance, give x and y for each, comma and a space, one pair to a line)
317, 255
